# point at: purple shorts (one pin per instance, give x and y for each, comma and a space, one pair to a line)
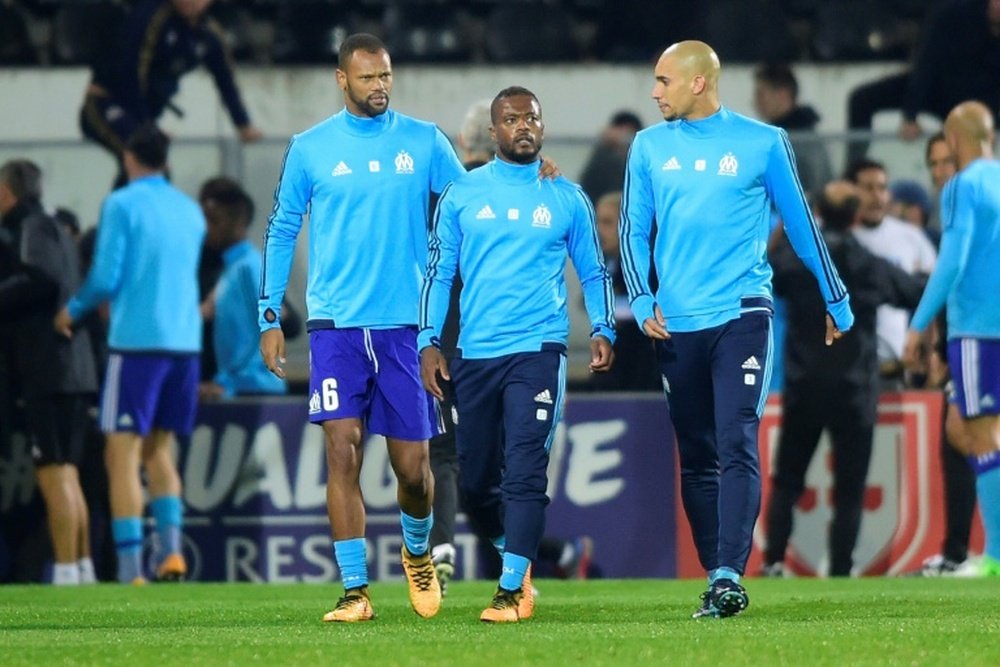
372, 375
975, 368
143, 391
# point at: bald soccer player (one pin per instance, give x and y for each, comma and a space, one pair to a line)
966, 277
709, 177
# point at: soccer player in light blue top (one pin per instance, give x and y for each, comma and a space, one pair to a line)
365, 176
703, 184
146, 263
511, 232
241, 371
967, 276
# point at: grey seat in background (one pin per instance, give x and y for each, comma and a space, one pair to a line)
750, 31
530, 32
854, 30
424, 32
15, 43
309, 31
85, 33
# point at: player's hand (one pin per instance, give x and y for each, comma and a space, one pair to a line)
656, 326
272, 349
910, 130
911, 349
63, 323
549, 168
250, 133
602, 354
432, 364
207, 307
832, 332
209, 391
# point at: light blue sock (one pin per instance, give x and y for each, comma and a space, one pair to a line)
416, 533
723, 573
127, 533
500, 544
512, 574
352, 559
987, 469
168, 512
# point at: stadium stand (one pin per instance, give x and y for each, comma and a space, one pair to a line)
15, 43
309, 31
855, 30
82, 31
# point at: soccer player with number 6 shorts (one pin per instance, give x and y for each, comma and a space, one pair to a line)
365, 176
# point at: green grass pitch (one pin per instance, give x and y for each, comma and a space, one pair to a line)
812, 622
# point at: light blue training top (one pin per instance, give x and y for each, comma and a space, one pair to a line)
510, 232
146, 264
236, 337
366, 184
705, 190
967, 274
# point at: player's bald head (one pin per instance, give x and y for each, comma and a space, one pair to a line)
694, 58
970, 121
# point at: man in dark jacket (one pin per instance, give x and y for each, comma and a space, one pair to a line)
160, 41
958, 59
834, 388
55, 376
776, 101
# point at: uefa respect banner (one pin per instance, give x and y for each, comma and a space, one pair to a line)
255, 506
254, 490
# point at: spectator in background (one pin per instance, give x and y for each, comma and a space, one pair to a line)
160, 41
941, 165
958, 59
635, 360
240, 371
909, 202
605, 168
899, 242
474, 141
830, 388
775, 99
210, 268
54, 375
149, 239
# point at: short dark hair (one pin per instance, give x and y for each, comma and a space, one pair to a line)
838, 216
361, 41
933, 139
23, 177
228, 195
149, 145
860, 165
778, 75
625, 118
509, 91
